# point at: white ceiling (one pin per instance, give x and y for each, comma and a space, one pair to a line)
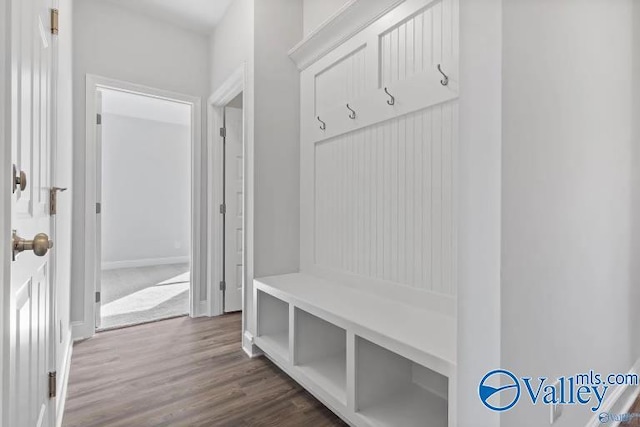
144, 107
197, 15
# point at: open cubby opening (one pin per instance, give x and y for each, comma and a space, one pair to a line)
391, 390
273, 323
321, 353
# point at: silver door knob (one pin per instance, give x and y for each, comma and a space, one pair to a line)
40, 244
19, 179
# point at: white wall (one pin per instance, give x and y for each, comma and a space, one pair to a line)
567, 204
635, 230
278, 27
146, 177
231, 43
480, 197
232, 48
315, 12
272, 137
120, 44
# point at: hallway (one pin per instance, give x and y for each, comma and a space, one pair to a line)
183, 372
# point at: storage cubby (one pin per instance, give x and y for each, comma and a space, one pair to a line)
320, 353
394, 391
273, 324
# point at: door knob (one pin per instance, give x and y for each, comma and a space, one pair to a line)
40, 245
19, 179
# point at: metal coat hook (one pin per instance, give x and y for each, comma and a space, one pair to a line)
392, 101
323, 125
352, 115
444, 81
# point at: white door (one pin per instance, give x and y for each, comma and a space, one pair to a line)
234, 208
30, 349
98, 260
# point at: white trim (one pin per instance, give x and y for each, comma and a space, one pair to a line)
350, 19
620, 401
249, 347
86, 328
202, 310
81, 331
149, 262
231, 88
63, 380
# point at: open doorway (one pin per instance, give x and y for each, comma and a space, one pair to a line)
228, 185
144, 202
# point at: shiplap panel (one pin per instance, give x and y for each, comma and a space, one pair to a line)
342, 82
419, 43
384, 200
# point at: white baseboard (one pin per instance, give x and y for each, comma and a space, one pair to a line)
248, 346
135, 263
63, 377
202, 309
620, 401
81, 331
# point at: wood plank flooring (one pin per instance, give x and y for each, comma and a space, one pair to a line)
635, 421
183, 372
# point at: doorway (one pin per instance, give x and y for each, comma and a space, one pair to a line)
233, 196
229, 183
143, 152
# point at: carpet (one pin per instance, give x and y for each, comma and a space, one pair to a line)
131, 296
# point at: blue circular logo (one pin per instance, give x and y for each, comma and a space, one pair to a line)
499, 390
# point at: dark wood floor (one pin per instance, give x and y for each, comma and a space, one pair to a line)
183, 372
633, 421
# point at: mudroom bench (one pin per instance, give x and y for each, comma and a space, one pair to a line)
375, 361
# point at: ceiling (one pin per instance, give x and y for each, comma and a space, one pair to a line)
197, 15
145, 107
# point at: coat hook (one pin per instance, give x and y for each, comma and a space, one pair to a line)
323, 125
392, 101
444, 81
352, 115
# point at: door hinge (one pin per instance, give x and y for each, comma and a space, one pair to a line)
99, 119
98, 208
223, 286
54, 21
98, 297
223, 132
53, 384
223, 209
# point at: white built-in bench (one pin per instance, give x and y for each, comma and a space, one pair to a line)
369, 327
374, 361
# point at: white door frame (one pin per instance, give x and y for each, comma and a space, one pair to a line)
230, 89
93, 84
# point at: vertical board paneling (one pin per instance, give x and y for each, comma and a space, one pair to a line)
341, 82
436, 198
419, 43
385, 200
402, 197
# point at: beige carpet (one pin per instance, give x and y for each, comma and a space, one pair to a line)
131, 296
